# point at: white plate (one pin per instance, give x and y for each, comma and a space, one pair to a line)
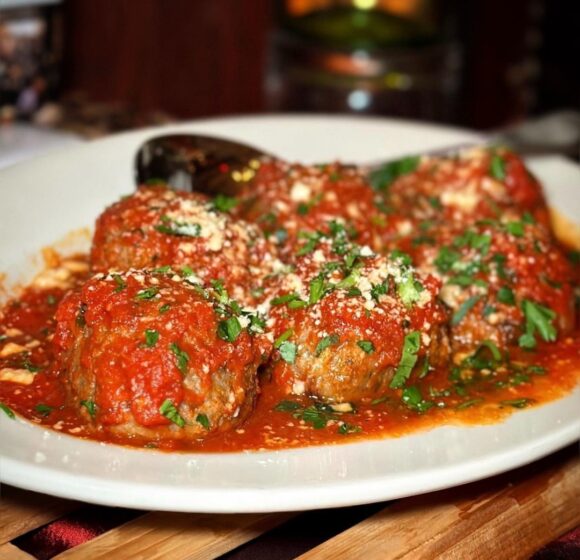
44, 199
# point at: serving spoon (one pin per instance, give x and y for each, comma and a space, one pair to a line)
192, 162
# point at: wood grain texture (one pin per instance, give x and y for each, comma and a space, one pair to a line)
22, 511
177, 536
10, 552
485, 520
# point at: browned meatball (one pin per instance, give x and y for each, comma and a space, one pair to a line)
504, 280
475, 184
351, 325
157, 227
158, 355
286, 200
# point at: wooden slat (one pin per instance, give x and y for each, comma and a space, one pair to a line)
22, 511
177, 536
506, 523
10, 552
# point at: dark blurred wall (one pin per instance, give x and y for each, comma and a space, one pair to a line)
186, 57
193, 58
559, 80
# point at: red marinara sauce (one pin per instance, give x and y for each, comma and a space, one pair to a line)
37, 393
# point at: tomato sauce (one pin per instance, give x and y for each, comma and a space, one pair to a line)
280, 421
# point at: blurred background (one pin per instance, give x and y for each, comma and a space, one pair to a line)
91, 67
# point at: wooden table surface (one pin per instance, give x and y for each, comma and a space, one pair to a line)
509, 516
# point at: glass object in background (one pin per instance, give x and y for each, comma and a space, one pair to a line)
390, 57
30, 55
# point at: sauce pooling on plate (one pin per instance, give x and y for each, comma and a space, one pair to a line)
320, 305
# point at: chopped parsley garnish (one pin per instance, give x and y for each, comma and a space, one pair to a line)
497, 168
310, 245
287, 406
286, 298
500, 261
147, 293
8, 411
302, 209
464, 309
487, 356
478, 241
26, 364
203, 420
409, 289
515, 228
164, 308
574, 257
318, 415
50, 300
379, 290
506, 295
224, 203
121, 284
229, 329
349, 281
257, 323
187, 271
518, 403
488, 310
383, 177
316, 290
283, 337
182, 357
220, 290
538, 319
469, 403
43, 409
414, 400
151, 338
168, 410
297, 304
183, 229
527, 218
411, 346
435, 202
346, 428
288, 351
162, 269
404, 258
446, 259
326, 342
366, 346
91, 407
305, 207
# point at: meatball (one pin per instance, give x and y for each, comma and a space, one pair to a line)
286, 200
351, 325
158, 355
157, 227
475, 184
504, 280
